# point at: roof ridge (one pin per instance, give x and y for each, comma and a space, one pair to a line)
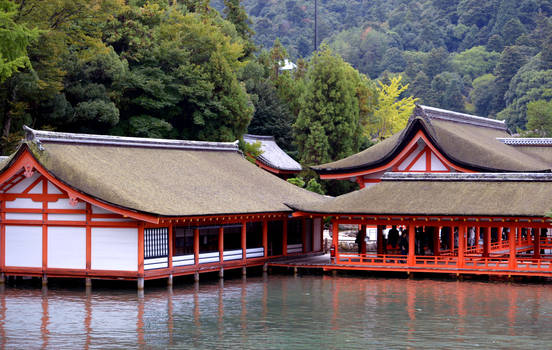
443, 114
39, 136
260, 137
525, 140
485, 177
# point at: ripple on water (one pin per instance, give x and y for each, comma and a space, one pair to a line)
283, 312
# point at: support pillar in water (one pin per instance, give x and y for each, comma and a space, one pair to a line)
170, 280
88, 282
140, 283
44, 280
2, 278
196, 276
221, 272
244, 271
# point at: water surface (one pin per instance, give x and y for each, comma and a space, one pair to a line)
282, 312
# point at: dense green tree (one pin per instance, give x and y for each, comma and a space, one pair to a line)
14, 39
448, 91
474, 62
539, 118
512, 58
327, 127
236, 14
483, 95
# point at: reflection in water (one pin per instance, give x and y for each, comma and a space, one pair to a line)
281, 312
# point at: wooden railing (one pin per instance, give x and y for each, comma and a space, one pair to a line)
471, 261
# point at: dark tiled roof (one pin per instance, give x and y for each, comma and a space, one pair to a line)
468, 141
163, 177
273, 155
494, 194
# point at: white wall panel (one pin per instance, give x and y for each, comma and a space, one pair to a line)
24, 246
420, 164
317, 243
20, 187
52, 189
23, 216
436, 164
26, 203
115, 249
67, 247
98, 210
63, 203
67, 217
405, 163
37, 189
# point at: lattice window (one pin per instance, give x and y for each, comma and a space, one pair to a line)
156, 242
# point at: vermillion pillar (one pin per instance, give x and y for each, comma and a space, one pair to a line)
221, 244
335, 239
285, 236
196, 246
486, 241
265, 238
536, 244
244, 242
363, 242
380, 245
500, 229
436, 241
512, 244
411, 245
462, 232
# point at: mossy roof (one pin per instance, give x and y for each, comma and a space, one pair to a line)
467, 141
444, 195
181, 179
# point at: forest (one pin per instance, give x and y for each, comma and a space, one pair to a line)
211, 70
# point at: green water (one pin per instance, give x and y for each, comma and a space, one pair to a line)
282, 312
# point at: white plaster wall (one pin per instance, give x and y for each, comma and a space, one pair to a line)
20, 187
436, 164
317, 243
67, 247
63, 203
419, 147
37, 189
115, 248
420, 164
98, 210
23, 216
26, 203
67, 217
24, 246
52, 189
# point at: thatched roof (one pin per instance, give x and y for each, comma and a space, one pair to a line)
468, 141
273, 156
456, 194
163, 177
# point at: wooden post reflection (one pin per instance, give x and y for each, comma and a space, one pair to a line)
461, 302
45, 318
2, 317
243, 301
335, 305
140, 320
220, 322
170, 319
512, 310
88, 318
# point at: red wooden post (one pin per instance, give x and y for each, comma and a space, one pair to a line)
284, 238
486, 241
536, 244
380, 245
171, 248
411, 237
244, 242
88, 237
221, 244
335, 239
462, 232
512, 241
436, 241
500, 229
451, 240
363, 242
265, 238
141, 249
196, 246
